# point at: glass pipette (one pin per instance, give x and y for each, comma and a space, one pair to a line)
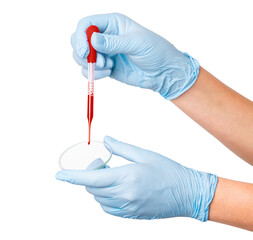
91, 59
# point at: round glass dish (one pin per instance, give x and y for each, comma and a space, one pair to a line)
82, 156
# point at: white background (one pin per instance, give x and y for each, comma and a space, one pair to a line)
43, 111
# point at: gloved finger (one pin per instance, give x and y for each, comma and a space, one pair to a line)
83, 61
101, 192
110, 202
101, 21
127, 151
113, 211
114, 44
98, 74
73, 41
101, 63
94, 178
97, 163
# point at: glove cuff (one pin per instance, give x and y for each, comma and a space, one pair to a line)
192, 75
207, 190
182, 79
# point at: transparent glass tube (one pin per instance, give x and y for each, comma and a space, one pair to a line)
90, 100
91, 70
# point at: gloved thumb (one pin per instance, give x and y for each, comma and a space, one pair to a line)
113, 44
127, 151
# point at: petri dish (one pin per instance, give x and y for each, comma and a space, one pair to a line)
83, 156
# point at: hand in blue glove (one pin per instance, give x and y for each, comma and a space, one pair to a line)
134, 55
153, 186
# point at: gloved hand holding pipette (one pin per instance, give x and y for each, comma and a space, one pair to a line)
155, 186
152, 187
134, 55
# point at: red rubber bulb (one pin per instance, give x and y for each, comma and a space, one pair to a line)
92, 57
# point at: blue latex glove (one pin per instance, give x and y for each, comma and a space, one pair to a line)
95, 164
134, 55
153, 186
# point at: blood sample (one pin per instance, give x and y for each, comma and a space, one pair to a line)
91, 59
90, 109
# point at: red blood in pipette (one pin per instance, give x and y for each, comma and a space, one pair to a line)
90, 112
92, 57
